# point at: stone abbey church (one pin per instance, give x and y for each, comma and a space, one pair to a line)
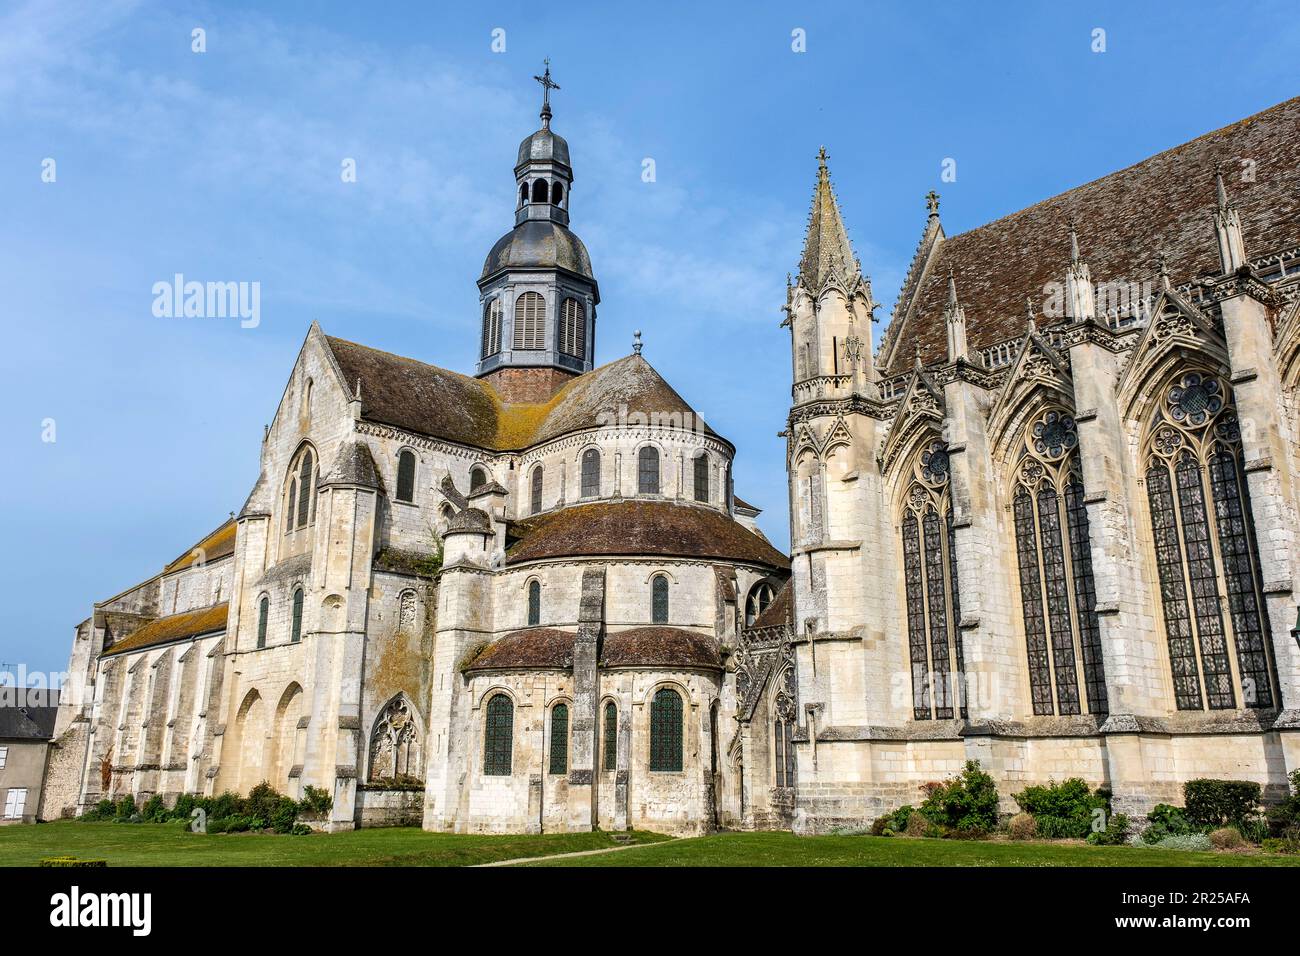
1049, 524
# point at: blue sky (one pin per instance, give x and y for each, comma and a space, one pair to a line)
225, 166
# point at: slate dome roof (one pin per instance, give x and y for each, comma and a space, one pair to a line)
538, 244
544, 146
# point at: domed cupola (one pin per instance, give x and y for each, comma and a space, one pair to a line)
537, 289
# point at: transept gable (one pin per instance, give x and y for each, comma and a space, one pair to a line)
927, 252
921, 409
1039, 368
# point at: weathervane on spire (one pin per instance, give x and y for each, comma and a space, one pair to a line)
547, 85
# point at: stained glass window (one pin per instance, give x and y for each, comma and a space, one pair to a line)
1031, 604
666, 731
1173, 590
406, 476
1085, 599
263, 609
498, 736
305, 486
534, 603
610, 761
591, 473
701, 469
648, 470
296, 633
1058, 601
956, 614
292, 505
915, 590
938, 613
659, 600
559, 739
535, 502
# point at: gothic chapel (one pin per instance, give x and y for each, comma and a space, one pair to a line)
1049, 525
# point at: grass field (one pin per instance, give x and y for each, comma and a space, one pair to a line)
167, 844
145, 844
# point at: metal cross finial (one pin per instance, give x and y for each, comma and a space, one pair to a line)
932, 202
547, 85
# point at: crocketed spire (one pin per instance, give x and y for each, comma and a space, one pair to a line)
826, 251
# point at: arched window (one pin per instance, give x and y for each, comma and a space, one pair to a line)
659, 599
609, 759
559, 739
701, 469
395, 753
307, 396
530, 317
477, 478
783, 716
557, 193
1057, 598
295, 634
291, 505
534, 603
299, 500
573, 328
930, 588
307, 485
498, 736
406, 475
666, 730
1204, 535
760, 597
539, 190
535, 492
591, 473
523, 194
647, 482
263, 611
492, 328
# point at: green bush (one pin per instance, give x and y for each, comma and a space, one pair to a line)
103, 810
71, 861
125, 809
968, 803
1218, 803
315, 802
1115, 833
1166, 821
184, 806
154, 810
1063, 810
284, 815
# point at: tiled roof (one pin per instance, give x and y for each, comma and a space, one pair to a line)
218, 544
660, 647
433, 401
743, 505
640, 527
174, 627
780, 611
552, 649
1164, 204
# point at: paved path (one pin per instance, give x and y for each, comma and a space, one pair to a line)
561, 856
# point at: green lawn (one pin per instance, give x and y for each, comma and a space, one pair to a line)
785, 849
166, 844
146, 844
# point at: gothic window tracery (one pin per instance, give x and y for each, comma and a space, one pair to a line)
301, 491
559, 763
1054, 561
1205, 548
498, 736
666, 730
930, 589
395, 753
610, 739
783, 709
760, 597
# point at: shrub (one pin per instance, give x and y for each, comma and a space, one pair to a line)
226, 805
1227, 838
301, 829
125, 809
71, 861
1063, 810
916, 826
154, 809
1218, 803
315, 802
1190, 841
1022, 827
262, 801
284, 815
1166, 821
1288, 842
1114, 834
879, 824
103, 810
968, 802
184, 806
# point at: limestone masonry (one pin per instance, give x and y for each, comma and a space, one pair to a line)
1049, 525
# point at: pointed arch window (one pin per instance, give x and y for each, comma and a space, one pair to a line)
395, 753
530, 317
406, 475
1204, 538
659, 599
299, 499
534, 603
573, 328
535, 491
498, 736
477, 478
609, 758
295, 634
700, 466
291, 505
591, 473
647, 482
666, 731
930, 590
308, 487
263, 612
491, 328
1058, 601
559, 739
783, 708
759, 599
